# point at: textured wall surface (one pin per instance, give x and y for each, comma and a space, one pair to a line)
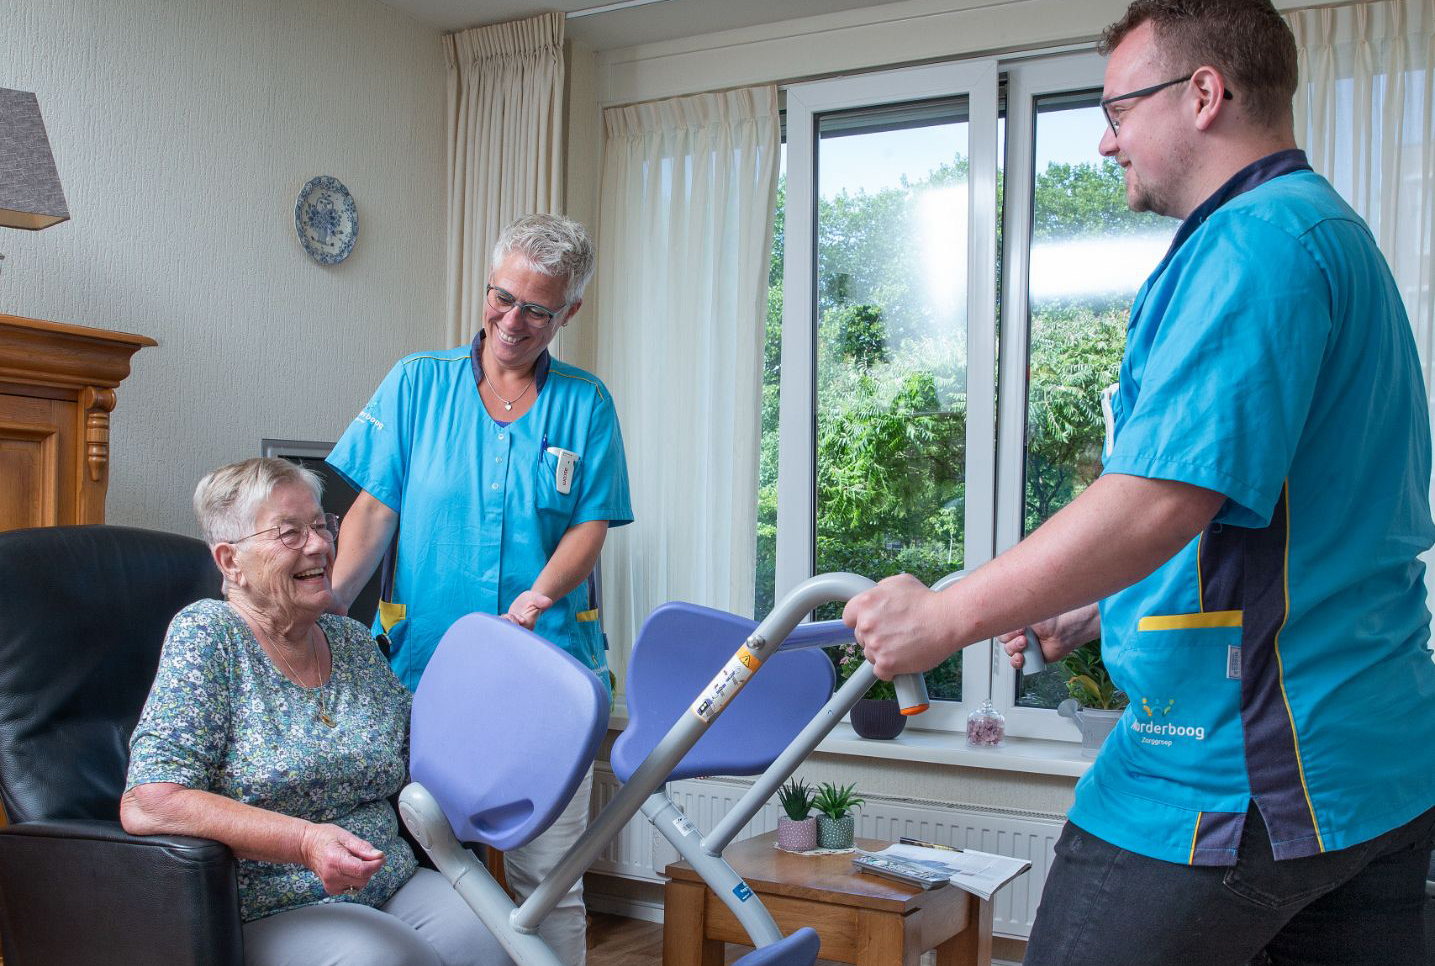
183, 131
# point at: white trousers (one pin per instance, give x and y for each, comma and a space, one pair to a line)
425, 923
566, 928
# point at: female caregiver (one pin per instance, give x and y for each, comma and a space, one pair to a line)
502, 469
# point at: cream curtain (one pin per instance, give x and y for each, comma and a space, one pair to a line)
1365, 114
689, 187
505, 146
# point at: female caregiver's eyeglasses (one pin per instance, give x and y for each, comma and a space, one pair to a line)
1115, 119
295, 535
530, 312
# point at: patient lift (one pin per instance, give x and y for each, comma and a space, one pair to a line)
539, 716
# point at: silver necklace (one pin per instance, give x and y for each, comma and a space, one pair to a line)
507, 403
320, 715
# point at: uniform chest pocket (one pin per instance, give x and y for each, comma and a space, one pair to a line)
552, 477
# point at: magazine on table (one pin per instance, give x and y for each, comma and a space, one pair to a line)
980, 873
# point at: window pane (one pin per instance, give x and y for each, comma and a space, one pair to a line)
1089, 255
891, 346
766, 570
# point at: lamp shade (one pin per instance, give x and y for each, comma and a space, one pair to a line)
30, 193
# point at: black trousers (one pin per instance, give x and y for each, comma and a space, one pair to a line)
1105, 906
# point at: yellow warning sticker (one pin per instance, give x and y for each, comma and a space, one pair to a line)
725, 686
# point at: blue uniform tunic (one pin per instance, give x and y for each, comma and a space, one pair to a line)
480, 512
1282, 656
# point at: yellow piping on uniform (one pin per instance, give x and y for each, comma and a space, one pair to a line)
1195, 832
1281, 672
1200, 577
587, 615
1181, 622
567, 375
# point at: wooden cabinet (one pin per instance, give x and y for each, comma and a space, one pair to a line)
57, 390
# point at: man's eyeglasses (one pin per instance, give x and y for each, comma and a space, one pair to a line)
1115, 120
534, 314
295, 535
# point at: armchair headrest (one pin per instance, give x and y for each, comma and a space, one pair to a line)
83, 614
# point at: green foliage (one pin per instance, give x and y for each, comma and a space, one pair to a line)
835, 801
796, 797
1090, 684
891, 383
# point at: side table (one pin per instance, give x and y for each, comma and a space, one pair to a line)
861, 919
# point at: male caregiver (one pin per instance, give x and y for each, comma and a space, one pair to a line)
1249, 556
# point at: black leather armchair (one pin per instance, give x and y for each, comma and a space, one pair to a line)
83, 612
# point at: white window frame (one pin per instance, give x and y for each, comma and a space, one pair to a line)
996, 401
1026, 81
797, 483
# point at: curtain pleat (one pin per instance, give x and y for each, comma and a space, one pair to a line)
505, 146
688, 192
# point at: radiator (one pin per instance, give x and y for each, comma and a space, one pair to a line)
639, 853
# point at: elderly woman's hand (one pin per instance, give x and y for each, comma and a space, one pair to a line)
527, 607
340, 859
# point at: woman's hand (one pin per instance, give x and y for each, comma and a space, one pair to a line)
1057, 637
340, 859
527, 607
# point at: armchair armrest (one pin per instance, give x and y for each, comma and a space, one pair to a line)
82, 891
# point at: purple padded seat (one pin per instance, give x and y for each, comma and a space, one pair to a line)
678, 651
799, 949
504, 728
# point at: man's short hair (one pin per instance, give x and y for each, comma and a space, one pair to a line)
1246, 40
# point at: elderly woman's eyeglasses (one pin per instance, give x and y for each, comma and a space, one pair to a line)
1115, 119
534, 314
294, 535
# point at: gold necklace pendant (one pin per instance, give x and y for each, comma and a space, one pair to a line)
325, 720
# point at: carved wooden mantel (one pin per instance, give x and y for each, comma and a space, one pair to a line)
57, 390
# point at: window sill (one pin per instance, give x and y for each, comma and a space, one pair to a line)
1030, 755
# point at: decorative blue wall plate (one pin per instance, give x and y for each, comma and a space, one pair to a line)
326, 219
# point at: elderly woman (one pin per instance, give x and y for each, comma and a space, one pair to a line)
502, 469
278, 730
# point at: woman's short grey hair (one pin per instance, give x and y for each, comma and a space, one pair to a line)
552, 245
227, 499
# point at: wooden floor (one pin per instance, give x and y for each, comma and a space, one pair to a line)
617, 941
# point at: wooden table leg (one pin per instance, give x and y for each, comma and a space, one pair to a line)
684, 924
973, 945
881, 940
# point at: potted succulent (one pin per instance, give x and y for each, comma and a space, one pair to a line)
836, 824
796, 828
1096, 704
875, 715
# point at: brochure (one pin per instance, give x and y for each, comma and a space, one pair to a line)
980, 873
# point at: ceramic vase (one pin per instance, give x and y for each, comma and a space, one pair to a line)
835, 833
878, 718
796, 835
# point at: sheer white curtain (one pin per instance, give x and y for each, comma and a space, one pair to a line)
689, 186
505, 146
1365, 114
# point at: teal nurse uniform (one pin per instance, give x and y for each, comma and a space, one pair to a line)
479, 504
1282, 656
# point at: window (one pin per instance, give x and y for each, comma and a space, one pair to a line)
887, 446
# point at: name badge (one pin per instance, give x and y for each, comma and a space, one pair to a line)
1233, 663
563, 475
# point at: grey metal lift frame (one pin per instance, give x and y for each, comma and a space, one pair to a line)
515, 926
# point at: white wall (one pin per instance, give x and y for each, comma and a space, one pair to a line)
183, 130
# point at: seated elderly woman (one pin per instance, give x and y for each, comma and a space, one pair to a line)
280, 731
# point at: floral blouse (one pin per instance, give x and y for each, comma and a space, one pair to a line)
222, 718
